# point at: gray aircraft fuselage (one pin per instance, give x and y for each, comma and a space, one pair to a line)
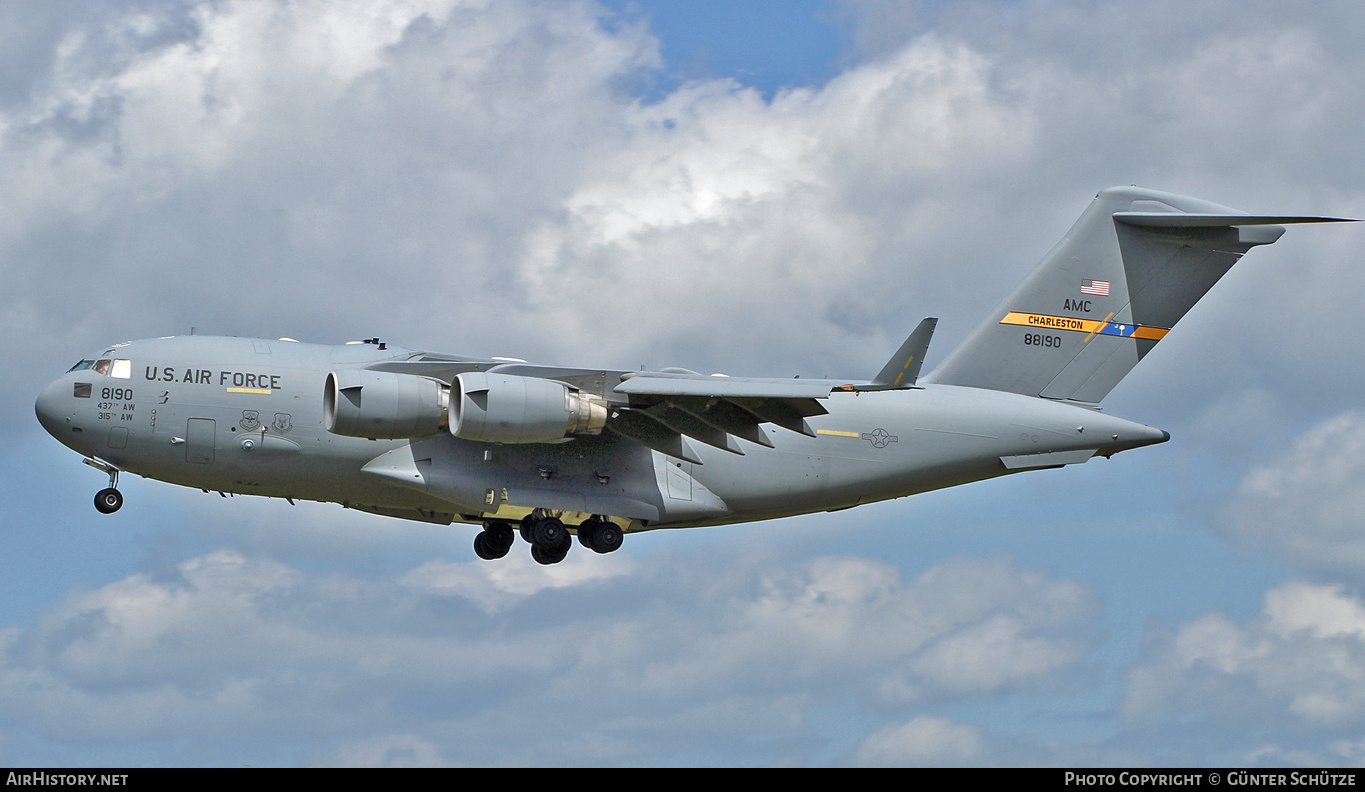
246, 416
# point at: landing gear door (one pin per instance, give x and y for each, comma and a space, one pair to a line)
679, 480
199, 441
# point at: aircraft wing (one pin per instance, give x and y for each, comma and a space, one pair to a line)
659, 409
662, 409
447, 367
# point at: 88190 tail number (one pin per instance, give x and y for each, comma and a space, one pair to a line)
1037, 339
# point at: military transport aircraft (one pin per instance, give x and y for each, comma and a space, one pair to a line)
549, 451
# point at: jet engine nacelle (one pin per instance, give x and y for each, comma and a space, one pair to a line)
378, 404
505, 408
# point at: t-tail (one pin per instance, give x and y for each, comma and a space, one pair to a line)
1125, 273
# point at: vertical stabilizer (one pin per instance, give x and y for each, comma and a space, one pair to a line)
1125, 273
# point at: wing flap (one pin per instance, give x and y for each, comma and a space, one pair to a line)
786, 413
683, 422
646, 430
726, 417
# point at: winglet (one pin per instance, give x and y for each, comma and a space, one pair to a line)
902, 370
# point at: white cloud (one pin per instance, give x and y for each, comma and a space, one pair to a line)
399, 750
924, 740
1302, 658
1308, 505
1338, 753
1158, 95
498, 586
273, 161
742, 218
380, 671
478, 170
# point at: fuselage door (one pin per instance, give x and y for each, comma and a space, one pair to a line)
199, 440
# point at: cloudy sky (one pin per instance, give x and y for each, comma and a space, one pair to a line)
761, 188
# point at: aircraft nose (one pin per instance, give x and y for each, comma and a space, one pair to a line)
49, 407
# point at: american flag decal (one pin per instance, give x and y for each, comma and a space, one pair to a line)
1098, 288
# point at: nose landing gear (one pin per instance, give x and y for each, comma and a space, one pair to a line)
109, 499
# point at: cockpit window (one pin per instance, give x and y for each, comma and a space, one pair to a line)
121, 369
81, 366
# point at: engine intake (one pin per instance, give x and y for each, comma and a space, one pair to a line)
505, 408
378, 404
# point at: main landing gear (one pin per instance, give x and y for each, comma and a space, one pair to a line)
600, 535
548, 536
109, 499
494, 540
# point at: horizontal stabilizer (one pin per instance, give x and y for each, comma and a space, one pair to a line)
1184, 220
